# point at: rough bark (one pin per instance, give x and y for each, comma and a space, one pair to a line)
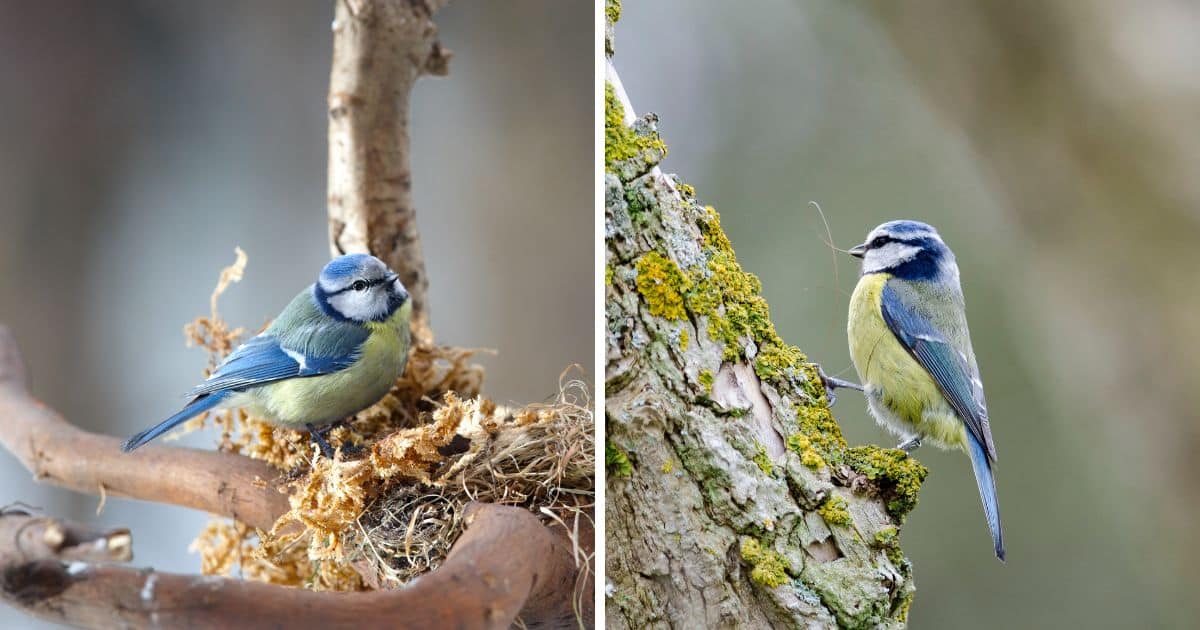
732, 498
380, 49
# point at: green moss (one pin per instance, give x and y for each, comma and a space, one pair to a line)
763, 459
768, 568
833, 510
612, 10
707, 379
897, 475
668, 466
887, 536
608, 275
616, 462
888, 540
683, 339
662, 285
623, 143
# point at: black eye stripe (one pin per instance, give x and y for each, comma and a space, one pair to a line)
350, 287
884, 239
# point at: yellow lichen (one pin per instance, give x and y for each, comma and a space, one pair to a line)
661, 285
762, 459
622, 143
896, 473
834, 511
768, 568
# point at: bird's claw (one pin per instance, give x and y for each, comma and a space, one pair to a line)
910, 445
832, 383
317, 437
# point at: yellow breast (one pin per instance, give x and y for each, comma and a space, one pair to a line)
320, 400
902, 396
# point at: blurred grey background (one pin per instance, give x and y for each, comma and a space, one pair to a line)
141, 141
1053, 145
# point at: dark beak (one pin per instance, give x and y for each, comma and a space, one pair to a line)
398, 291
858, 251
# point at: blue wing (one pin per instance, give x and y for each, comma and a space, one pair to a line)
301, 342
948, 367
267, 358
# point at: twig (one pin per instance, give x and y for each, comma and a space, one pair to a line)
380, 49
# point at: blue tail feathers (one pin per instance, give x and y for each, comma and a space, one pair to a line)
193, 409
987, 491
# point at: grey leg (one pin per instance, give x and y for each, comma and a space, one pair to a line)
910, 445
832, 384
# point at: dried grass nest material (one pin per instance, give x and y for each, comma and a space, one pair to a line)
430, 446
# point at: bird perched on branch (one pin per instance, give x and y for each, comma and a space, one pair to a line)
335, 350
911, 347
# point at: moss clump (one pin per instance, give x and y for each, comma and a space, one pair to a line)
624, 143
668, 466
612, 11
887, 536
616, 462
707, 379
888, 540
608, 274
897, 475
801, 445
833, 510
662, 286
817, 424
683, 339
730, 298
763, 459
768, 568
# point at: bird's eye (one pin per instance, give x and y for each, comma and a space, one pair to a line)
359, 285
879, 241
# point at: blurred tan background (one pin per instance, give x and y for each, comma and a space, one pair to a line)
141, 141
1054, 145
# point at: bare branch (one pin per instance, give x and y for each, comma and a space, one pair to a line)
380, 49
62, 454
504, 560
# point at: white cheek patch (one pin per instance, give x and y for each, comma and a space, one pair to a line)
888, 256
360, 305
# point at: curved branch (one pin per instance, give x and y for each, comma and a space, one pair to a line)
506, 561
62, 454
482, 584
380, 49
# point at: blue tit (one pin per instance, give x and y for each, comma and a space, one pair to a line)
910, 344
335, 350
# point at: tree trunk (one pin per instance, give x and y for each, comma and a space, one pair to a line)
732, 498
